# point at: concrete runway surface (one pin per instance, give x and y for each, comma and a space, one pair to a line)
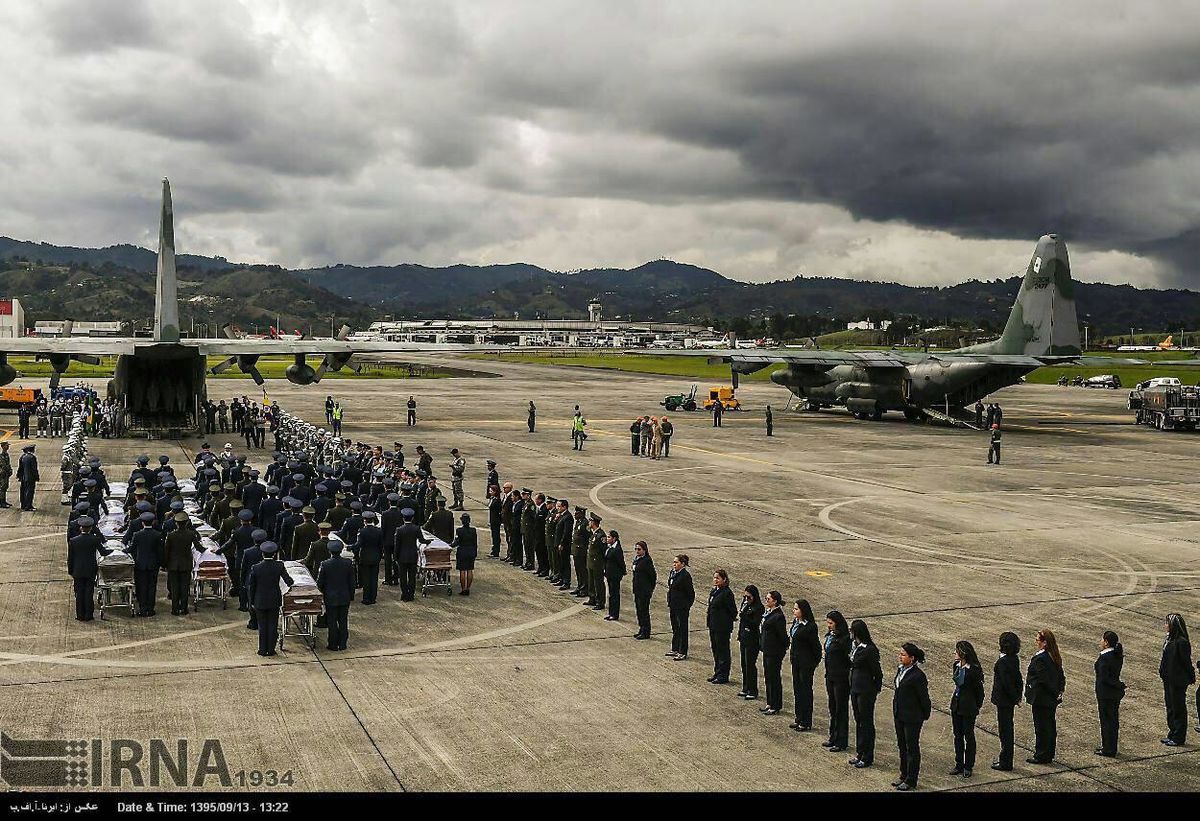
1090, 524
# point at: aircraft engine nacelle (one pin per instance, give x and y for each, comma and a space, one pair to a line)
300, 372
7, 372
855, 390
861, 406
801, 377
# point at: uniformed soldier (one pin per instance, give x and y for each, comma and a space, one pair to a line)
236, 545
338, 514
493, 478
541, 513
597, 547
305, 533
770, 422
432, 496
335, 580
458, 466
146, 548
266, 598
389, 520
82, 567
994, 443
318, 551
495, 518
177, 549
250, 558
5, 472
531, 421
508, 499
288, 520
441, 522
27, 476
579, 549
368, 549
528, 526
408, 552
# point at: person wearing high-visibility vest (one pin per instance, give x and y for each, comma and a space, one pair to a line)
578, 423
337, 418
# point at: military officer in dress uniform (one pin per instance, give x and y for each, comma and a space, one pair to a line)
304, 534
335, 580
81, 566
408, 553
368, 548
266, 598
5, 472
579, 550
27, 476
493, 478
177, 550
146, 548
458, 466
597, 547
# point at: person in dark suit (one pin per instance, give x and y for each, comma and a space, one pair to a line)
1007, 686
614, 571
965, 704
837, 680
722, 613
1109, 692
866, 682
1177, 673
82, 566
335, 580
250, 558
368, 547
1044, 685
146, 548
750, 615
466, 545
645, 579
266, 598
774, 645
681, 595
806, 655
408, 553
389, 520
911, 708
495, 515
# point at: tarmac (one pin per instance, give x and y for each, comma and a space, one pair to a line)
1089, 524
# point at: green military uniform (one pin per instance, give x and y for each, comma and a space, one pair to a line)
597, 545
177, 561
304, 534
5, 472
528, 524
318, 552
579, 552
432, 494
338, 514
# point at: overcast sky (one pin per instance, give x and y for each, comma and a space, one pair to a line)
909, 141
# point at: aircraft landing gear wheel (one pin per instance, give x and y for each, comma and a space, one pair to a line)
914, 416
689, 406
877, 415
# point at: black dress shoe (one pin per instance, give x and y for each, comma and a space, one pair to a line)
1032, 760
967, 772
1101, 751
827, 744
802, 729
836, 749
771, 711
904, 787
862, 765
956, 771
710, 679
1004, 768
793, 726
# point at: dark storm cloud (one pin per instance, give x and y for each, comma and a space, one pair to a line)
874, 139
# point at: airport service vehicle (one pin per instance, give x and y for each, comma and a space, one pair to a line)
1168, 407
724, 395
16, 397
1105, 380
678, 400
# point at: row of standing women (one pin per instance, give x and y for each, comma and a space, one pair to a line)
854, 679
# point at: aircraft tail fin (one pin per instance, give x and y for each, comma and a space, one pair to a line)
1043, 320
166, 293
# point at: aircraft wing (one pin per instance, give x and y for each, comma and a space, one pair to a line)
815, 359
82, 345
264, 347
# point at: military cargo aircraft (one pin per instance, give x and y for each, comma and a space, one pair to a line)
161, 380
1041, 330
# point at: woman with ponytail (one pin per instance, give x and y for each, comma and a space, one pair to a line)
1109, 692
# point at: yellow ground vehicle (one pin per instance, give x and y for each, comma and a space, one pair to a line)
724, 395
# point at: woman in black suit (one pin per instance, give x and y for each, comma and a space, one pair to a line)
837, 680
466, 545
806, 655
1176, 671
1007, 686
910, 710
749, 630
866, 680
1109, 692
1044, 685
774, 646
964, 706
